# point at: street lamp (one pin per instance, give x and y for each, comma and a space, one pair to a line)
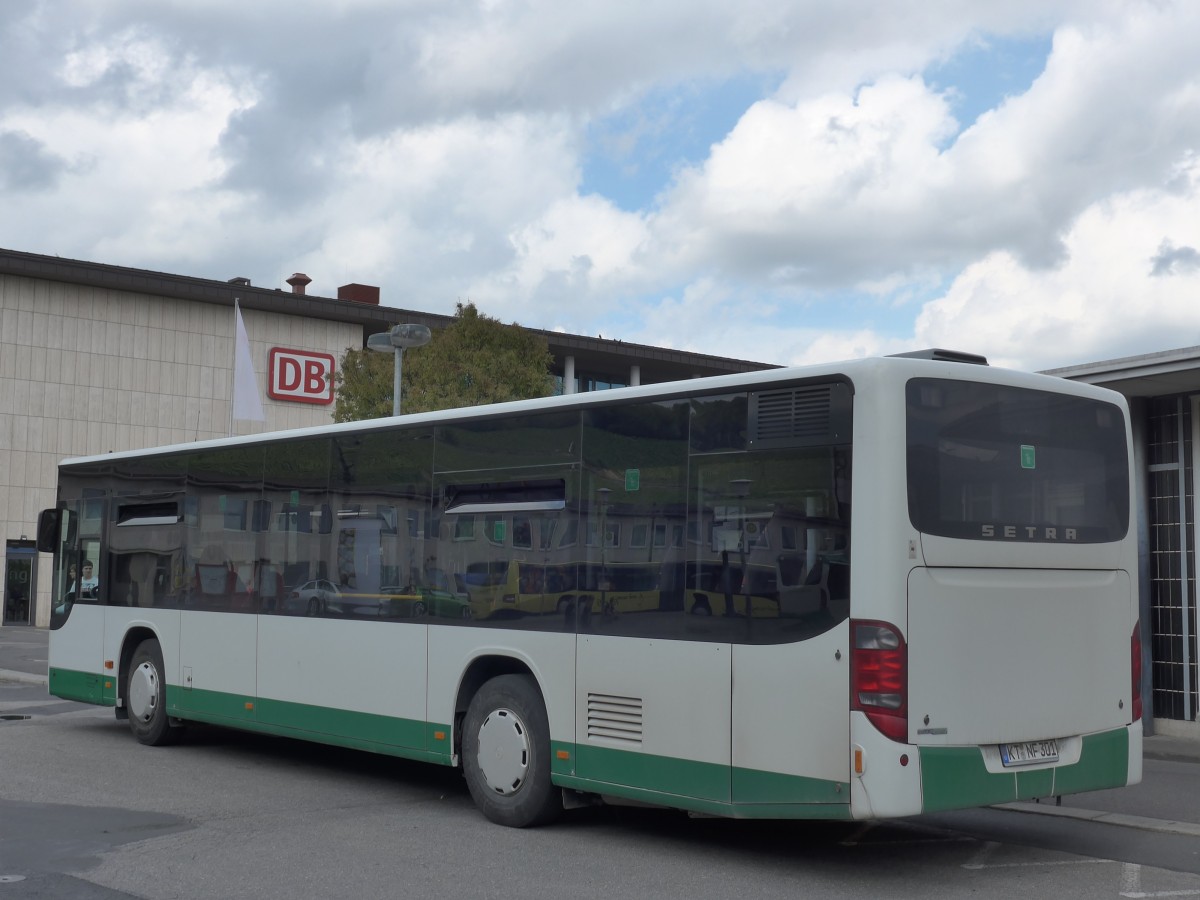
396, 341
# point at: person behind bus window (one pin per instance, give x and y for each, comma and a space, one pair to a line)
89, 584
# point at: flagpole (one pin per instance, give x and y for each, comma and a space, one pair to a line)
244, 399
237, 314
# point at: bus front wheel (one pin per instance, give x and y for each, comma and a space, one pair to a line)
506, 753
146, 697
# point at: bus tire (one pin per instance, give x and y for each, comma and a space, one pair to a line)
146, 697
506, 753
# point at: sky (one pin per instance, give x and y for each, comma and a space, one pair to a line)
784, 181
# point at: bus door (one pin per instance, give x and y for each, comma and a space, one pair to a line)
76, 658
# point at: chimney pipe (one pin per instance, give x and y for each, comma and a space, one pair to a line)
299, 282
359, 293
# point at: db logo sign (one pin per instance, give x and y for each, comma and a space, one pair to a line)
300, 376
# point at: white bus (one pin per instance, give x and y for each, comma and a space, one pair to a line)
877, 588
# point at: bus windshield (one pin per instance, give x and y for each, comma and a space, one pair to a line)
990, 462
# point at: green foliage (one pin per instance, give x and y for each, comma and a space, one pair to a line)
363, 386
474, 361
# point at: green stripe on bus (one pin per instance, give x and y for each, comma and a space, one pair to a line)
718, 788
755, 786
388, 735
1104, 764
213, 705
665, 775
86, 687
366, 727
334, 740
955, 777
300, 719
709, 807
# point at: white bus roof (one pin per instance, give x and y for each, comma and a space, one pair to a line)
890, 367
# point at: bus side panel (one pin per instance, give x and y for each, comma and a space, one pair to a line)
218, 662
654, 715
360, 682
791, 725
76, 658
549, 656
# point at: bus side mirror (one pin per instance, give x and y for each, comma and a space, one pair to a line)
49, 521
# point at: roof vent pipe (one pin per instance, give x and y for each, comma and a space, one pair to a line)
299, 282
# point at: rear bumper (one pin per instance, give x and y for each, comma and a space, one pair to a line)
957, 777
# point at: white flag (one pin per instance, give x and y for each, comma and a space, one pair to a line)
246, 401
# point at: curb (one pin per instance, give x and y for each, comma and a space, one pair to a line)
22, 677
1161, 826
1169, 756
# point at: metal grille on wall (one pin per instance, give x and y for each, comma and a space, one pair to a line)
1172, 572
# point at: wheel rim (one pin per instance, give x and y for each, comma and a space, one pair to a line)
143, 692
504, 752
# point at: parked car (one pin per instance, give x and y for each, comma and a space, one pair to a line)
415, 602
321, 597
314, 598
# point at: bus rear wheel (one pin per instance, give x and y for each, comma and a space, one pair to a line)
506, 753
146, 697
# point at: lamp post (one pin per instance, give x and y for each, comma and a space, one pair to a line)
396, 341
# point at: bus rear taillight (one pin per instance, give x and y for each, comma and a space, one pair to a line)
879, 677
1135, 669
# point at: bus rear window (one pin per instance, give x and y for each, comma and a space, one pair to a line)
989, 462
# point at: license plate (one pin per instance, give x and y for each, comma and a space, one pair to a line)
1031, 753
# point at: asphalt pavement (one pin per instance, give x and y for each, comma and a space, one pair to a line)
1164, 801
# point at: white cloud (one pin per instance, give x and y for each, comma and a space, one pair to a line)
809, 193
142, 151
578, 243
432, 205
1104, 300
437, 149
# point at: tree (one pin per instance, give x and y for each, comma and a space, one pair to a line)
476, 360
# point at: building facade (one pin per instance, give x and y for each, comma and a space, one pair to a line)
1163, 390
97, 358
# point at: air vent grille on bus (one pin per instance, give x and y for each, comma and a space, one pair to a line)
800, 416
615, 718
